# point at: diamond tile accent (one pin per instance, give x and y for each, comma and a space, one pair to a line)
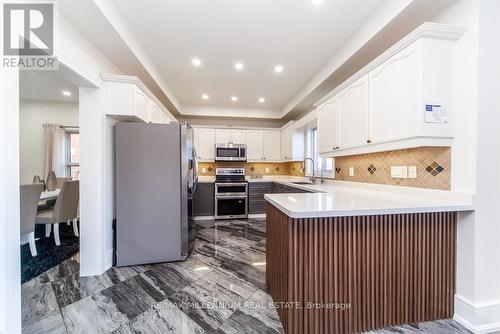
436, 161
371, 169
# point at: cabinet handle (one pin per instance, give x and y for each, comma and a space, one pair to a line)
369, 141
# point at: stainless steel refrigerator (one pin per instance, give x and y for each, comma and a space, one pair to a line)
155, 179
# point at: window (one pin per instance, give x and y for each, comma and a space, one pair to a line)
73, 155
312, 151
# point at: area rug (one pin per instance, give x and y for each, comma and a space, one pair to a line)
49, 255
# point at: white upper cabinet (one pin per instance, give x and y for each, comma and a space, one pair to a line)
272, 147
255, 144
128, 100
400, 100
352, 116
393, 97
238, 136
222, 136
206, 144
230, 136
292, 143
328, 126
141, 105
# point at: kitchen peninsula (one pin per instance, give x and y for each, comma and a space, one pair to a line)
355, 257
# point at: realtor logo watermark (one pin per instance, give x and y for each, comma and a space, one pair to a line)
28, 38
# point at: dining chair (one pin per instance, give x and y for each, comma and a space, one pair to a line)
61, 180
30, 195
65, 209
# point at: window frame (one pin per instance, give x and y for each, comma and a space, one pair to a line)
311, 148
68, 164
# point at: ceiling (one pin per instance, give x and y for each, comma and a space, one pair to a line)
300, 35
49, 85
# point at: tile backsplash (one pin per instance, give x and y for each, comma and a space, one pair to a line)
433, 167
254, 168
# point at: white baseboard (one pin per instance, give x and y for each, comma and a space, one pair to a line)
109, 260
257, 215
203, 218
478, 318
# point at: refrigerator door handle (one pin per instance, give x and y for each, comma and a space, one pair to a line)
195, 170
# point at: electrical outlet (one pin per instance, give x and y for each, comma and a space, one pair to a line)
203, 170
351, 171
399, 172
267, 169
412, 172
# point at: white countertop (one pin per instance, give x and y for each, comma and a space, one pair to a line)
342, 198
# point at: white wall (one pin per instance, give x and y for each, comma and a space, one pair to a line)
81, 57
476, 161
32, 114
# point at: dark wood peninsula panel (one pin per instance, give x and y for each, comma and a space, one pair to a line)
355, 274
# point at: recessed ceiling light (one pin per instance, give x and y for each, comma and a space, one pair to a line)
196, 62
317, 2
205, 97
278, 68
262, 100
239, 66
234, 98
66, 93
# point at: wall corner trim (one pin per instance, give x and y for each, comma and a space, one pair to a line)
478, 318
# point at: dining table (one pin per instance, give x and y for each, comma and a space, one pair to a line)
46, 195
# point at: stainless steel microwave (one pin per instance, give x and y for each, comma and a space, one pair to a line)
230, 152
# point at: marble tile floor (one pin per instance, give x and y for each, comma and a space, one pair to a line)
219, 289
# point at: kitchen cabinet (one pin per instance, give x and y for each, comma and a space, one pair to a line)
393, 89
398, 101
129, 100
328, 126
156, 115
255, 145
353, 114
256, 192
226, 136
238, 136
272, 148
222, 136
292, 144
204, 200
205, 144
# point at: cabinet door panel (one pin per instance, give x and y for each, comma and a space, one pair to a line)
222, 136
353, 114
327, 126
286, 143
238, 136
393, 97
206, 144
271, 145
255, 142
141, 105
203, 201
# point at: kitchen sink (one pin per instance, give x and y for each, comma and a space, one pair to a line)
300, 182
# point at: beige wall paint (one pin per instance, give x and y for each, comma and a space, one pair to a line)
32, 114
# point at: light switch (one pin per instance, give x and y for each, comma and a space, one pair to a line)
412, 172
267, 169
399, 172
203, 170
351, 171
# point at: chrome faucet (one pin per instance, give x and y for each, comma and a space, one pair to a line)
313, 178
